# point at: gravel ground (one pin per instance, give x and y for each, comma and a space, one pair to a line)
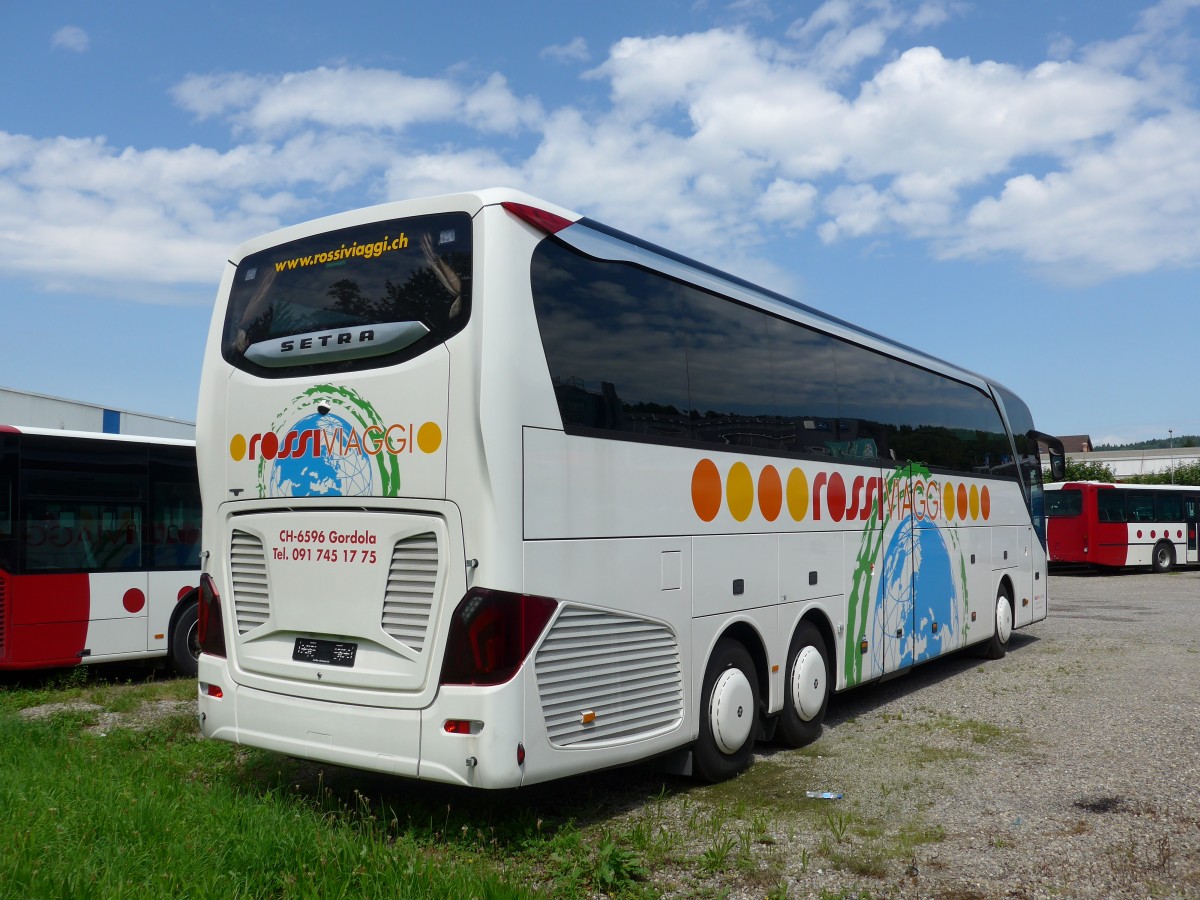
1070, 768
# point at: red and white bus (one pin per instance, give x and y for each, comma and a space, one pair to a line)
99, 549
1116, 526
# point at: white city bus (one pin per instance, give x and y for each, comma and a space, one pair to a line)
495, 494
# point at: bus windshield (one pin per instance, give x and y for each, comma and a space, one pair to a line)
360, 297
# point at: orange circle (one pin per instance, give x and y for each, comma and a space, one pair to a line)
797, 494
429, 437
706, 490
962, 502
237, 448
770, 493
739, 491
948, 501
985, 502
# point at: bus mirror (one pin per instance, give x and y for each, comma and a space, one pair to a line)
1058, 466
1057, 452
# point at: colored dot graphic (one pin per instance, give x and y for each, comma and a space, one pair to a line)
740, 493
134, 600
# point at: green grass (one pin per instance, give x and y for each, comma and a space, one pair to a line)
155, 811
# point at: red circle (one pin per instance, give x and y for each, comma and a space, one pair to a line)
184, 591
134, 600
835, 497
1153, 533
706, 490
985, 503
962, 502
1139, 532
268, 447
770, 493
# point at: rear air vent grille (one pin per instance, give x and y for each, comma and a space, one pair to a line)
412, 580
608, 678
251, 590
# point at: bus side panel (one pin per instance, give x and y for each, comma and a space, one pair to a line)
48, 619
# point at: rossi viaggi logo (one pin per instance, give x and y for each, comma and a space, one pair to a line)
330, 442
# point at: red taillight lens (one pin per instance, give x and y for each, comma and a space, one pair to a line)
538, 218
210, 629
491, 633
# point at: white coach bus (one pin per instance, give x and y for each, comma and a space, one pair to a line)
494, 494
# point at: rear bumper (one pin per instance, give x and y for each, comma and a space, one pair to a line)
412, 743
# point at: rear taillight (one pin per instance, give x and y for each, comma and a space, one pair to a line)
491, 633
210, 629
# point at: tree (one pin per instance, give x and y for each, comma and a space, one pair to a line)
1084, 471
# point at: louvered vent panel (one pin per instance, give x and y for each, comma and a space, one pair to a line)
624, 670
251, 592
411, 581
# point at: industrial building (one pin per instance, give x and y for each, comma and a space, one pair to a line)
41, 411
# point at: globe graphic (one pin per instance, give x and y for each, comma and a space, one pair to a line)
931, 593
326, 475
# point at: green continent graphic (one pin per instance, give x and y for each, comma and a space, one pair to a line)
862, 590
345, 402
909, 587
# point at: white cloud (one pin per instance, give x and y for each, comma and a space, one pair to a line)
575, 50
70, 37
1127, 208
713, 142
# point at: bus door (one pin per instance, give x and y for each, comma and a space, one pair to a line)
895, 607
1191, 512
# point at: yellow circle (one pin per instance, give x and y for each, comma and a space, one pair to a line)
974, 501
739, 491
797, 494
237, 448
948, 501
429, 437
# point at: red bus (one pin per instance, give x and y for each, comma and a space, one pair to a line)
99, 549
1115, 526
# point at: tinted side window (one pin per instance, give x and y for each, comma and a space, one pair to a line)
613, 344
8, 502
173, 532
1169, 507
731, 396
1110, 506
1064, 504
867, 391
805, 387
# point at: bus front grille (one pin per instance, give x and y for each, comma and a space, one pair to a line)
251, 590
608, 678
412, 579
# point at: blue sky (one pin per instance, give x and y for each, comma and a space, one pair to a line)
1013, 186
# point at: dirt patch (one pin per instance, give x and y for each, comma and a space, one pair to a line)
139, 719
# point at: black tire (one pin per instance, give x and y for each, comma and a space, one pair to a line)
998, 645
184, 641
728, 713
1163, 557
808, 664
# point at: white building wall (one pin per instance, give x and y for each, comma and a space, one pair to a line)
41, 411
1126, 463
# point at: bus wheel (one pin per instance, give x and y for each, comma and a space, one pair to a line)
728, 713
185, 641
998, 645
1164, 557
807, 688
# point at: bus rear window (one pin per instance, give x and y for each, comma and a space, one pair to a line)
1063, 504
372, 295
